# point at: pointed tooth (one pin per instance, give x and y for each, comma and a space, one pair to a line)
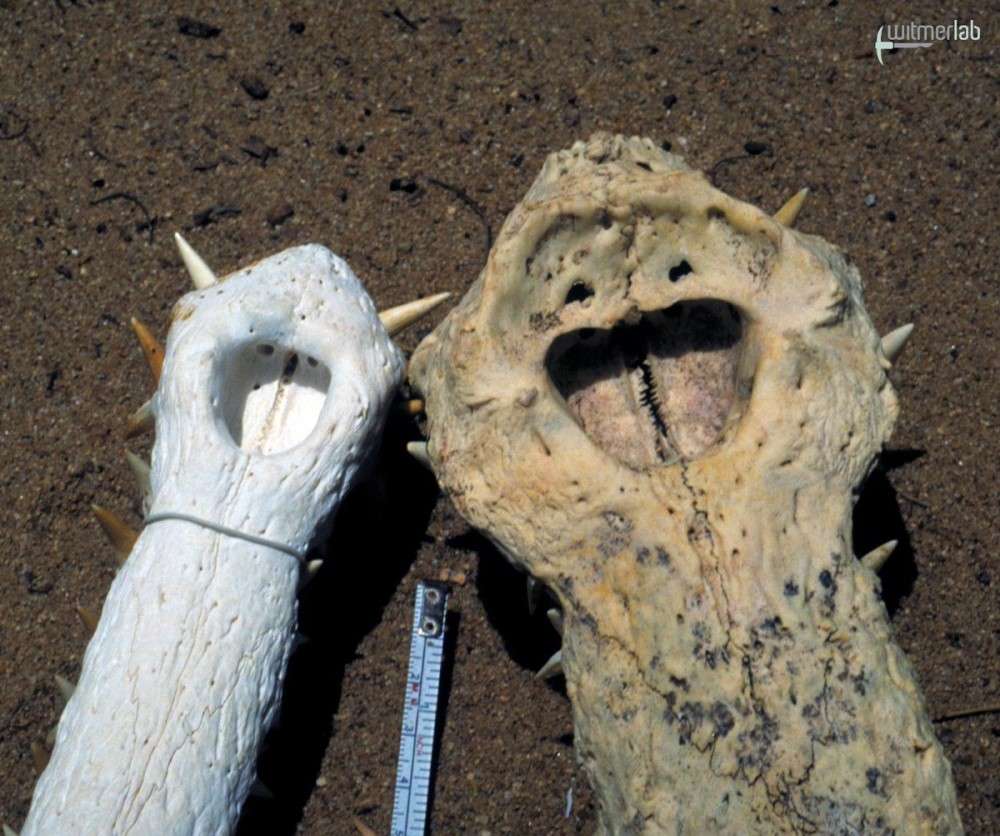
39, 756
151, 348
413, 406
555, 619
118, 532
8, 831
894, 341
140, 469
876, 558
551, 668
396, 319
418, 449
261, 790
141, 420
787, 214
534, 591
201, 274
88, 618
66, 688
309, 573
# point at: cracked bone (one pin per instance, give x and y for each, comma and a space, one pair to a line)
659, 401
275, 385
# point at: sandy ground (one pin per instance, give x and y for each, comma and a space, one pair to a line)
400, 137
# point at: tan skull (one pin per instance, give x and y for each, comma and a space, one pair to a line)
660, 401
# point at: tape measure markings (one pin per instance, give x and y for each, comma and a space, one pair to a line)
420, 706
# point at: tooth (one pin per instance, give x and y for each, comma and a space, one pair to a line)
140, 469
413, 406
787, 214
396, 319
121, 536
201, 274
534, 589
555, 619
311, 568
893, 342
418, 449
551, 668
88, 618
151, 348
66, 688
876, 558
39, 756
141, 420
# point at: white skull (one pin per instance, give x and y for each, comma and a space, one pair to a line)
276, 383
660, 401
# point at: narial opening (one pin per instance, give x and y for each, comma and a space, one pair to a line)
272, 396
656, 390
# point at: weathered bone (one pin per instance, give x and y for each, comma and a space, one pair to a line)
275, 386
660, 401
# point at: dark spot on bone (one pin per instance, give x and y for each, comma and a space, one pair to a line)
579, 292
679, 271
290, 366
680, 682
642, 554
826, 579
791, 589
723, 719
662, 557
604, 220
876, 784
714, 213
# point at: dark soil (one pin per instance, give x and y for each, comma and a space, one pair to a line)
400, 137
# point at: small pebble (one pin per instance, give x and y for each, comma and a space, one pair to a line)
870, 200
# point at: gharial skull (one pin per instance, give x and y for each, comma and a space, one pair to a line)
660, 401
276, 383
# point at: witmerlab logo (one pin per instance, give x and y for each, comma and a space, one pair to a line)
921, 35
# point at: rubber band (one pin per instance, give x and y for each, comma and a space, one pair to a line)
230, 532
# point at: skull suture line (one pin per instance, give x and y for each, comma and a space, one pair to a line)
659, 401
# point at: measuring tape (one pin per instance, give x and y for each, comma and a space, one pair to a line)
420, 706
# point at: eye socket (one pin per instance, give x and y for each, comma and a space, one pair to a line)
661, 389
268, 400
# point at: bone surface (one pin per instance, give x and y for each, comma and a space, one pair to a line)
660, 402
276, 382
